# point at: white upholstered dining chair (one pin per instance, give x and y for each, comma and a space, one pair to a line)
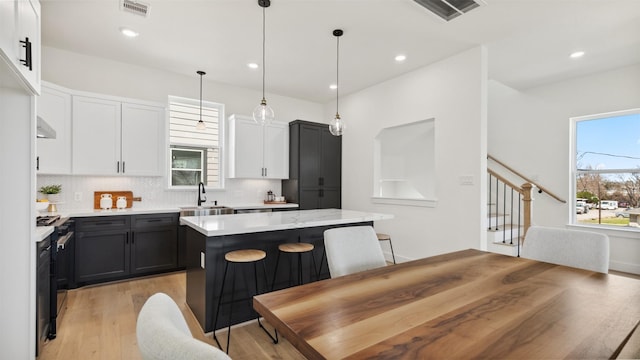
352, 249
575, 248
163, 333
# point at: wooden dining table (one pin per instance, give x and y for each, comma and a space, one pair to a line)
461, 305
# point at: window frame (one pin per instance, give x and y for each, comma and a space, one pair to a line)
220, 148
574, 171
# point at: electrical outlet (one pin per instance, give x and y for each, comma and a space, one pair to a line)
77, 196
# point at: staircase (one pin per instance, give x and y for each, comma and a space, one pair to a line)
509, 208
502, 237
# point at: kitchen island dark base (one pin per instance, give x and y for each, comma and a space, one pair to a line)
203, 284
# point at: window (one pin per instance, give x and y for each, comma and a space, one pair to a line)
607, 168
195, 155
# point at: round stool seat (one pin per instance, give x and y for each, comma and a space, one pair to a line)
245, 256
383, 237
295, 247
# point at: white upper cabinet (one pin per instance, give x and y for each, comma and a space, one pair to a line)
54, 155
256, 151
20, 39
111, 137
96, 136
143, 140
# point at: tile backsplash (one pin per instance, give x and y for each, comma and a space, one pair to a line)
153, 191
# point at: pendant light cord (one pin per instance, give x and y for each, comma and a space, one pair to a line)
337, 72
263, 49
201, 97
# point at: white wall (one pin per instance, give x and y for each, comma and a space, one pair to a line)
530, 131
87, 73
452, 91
17, 180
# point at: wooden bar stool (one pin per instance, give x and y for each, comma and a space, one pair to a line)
238, 257
385, 237
295, 248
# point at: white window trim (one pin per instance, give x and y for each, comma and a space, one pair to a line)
573, 171
221, 142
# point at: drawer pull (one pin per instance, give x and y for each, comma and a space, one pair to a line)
27, 60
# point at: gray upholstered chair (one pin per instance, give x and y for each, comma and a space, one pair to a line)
163, 333
352, 249
575, 248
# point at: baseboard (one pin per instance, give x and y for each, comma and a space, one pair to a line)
625, 267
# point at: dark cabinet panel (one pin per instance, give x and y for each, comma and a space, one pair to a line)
330, 160
116, 247
153, 250
43, 293
102, 255
315, 166
310, 155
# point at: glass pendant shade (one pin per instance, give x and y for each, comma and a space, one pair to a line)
200, 125
336, 127
263, 113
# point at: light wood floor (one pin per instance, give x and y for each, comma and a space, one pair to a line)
100, 323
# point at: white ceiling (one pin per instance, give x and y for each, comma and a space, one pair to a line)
528, 41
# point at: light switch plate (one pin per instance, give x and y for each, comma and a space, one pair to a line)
77, 196
466, 179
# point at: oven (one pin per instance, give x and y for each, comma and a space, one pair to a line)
61, 266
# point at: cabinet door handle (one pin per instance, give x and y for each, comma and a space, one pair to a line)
27, 60
265, 171
118, 167
123, 167
37, 162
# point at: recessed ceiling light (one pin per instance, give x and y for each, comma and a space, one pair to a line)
252, 65
128, 32
333, 86
577, 54
401, 58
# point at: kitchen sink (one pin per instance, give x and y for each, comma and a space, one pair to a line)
205, 210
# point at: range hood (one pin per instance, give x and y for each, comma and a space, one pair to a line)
44, 130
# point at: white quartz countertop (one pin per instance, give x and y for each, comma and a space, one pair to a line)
42, 232
271, 221
159, 210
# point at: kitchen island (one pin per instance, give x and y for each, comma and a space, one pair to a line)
210, 237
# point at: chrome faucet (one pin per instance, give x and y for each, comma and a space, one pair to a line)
201, 197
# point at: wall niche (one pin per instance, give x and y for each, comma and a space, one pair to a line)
404, 164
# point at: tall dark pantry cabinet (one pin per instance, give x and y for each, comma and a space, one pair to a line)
315, 166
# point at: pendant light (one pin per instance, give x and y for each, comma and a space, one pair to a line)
336, 127
201, 125
263, 113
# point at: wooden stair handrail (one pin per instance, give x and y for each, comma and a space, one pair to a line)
501, 178
525, 178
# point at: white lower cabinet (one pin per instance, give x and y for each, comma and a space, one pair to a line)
256, 151
111, 137
54, 155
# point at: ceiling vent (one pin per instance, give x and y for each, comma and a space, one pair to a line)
134, 7
450, 9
